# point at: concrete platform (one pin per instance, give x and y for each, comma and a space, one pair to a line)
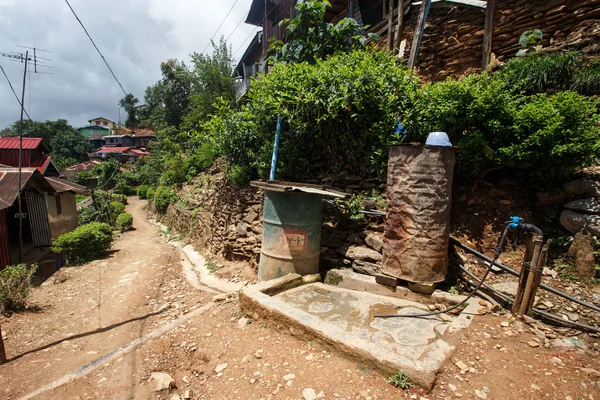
344, 319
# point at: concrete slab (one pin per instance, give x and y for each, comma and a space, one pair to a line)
344, 319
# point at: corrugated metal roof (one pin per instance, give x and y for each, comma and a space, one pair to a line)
139, 152
41, 164
86, 166
9, 182
13, 143
115, 149
65, 186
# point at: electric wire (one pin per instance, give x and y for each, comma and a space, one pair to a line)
96, 47
260, 24
237, 26
15, 93
220, 25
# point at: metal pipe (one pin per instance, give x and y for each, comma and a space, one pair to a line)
275, 149
510, 299
515, 273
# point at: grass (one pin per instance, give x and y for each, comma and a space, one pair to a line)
400, 380
565, 271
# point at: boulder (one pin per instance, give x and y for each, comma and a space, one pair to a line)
582, 187
509, 288
581, 252
588, 206
354, 238
366, 268
241, 229
575, 222
374, 241
162, 381
359, 253
544, 199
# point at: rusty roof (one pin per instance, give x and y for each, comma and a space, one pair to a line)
62, 186
86, 166
9, 184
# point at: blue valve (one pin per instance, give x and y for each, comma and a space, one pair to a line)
515, 221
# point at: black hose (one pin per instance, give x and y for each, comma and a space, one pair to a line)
499, 249
515, 273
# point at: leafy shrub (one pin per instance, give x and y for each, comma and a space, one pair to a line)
142, 191
116, 208
15, 284
336, 113
124, 190
85, 243
151, 193
87, 215
121, 198
125, 222
163, 197
400, 380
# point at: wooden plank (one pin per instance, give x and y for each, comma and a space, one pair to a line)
488, 33
418, 35
480, 4
400, 27
391, 25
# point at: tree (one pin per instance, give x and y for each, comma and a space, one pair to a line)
309, 38
128, 103
176, 88
212, 79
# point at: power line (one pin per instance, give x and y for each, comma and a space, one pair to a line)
220, 25
97, 49
15, 93
260, 24
237, 26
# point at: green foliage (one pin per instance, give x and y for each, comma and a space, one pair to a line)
400, 380
80, 197
85, 243
530, 38
107, 173
124, 190
125, 222
336, 114
309, 38
116, 208
142, 191
163, 197
15, 287
128, 103
350, 209
121, 198
151, 193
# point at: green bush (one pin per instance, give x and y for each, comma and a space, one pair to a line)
142, 191
116, 208
125, 222
87, 215
15, 284
85, 243
121, 198
151, 193
124, 190
163, 197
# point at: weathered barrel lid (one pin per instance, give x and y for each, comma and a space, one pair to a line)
417, 144
281, 186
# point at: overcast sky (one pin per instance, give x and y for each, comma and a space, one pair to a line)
134, 36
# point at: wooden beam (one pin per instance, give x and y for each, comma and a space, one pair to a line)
418, 35
488, 33
479, 4
350, 8
400, 27
391, 25
2, 351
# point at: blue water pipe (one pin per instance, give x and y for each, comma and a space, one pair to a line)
275, 149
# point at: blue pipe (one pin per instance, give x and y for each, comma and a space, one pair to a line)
275, 149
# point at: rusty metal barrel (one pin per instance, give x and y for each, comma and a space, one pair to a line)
417, 228
291, 234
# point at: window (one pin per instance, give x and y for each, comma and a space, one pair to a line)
58, 205
104, 123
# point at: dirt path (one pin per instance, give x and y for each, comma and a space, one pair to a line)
91, 310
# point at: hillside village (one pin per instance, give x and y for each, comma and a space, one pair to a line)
374, 200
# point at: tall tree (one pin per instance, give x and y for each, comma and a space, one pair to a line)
128, 103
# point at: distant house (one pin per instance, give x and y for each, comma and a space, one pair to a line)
119, 140
34, 155
70, 173
95, 130
97, 141
249, 66
47, 205
120, 152
101, 121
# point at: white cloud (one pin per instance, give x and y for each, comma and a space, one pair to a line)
134, 35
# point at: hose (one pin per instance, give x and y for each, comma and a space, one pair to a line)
499, 250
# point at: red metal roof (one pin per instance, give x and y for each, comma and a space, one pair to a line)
115, 149
139, 152
41, 164
61, 186
13, 143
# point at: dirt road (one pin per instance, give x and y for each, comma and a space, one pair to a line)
91, 310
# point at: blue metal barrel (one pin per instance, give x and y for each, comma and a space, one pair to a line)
291, 234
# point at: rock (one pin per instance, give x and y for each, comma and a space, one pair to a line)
452, 387
241, 229
162, 381
575, 222
505, 324
251, 217
509, 288
423, 288
462, 366
481, 394
374, 241
359, 253
588, 206
594, 373
582, 252
309, 394
557, 361
309, 357
573, 317
175, 396
566, 344
533, 343
354, 238
242, 322
582, 187
220, 367
258, 354
549, 272
187, 395
289, 377
367, 268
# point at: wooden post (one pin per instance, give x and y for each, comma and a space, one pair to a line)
420, 27
350, 8
2, 351
527, 260
391, 25
488, 33
400, 27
